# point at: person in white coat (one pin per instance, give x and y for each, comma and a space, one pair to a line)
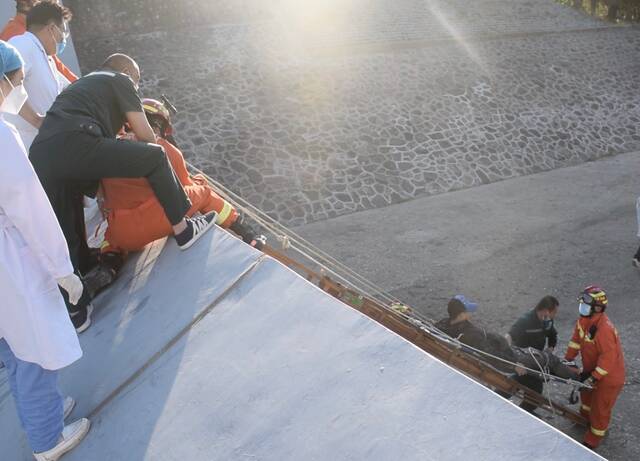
47, 32
37, 337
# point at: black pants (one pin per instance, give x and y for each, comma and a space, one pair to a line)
546, 359
71, 162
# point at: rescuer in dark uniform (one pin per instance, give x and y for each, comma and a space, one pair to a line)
76, 147
459, 326
535, 329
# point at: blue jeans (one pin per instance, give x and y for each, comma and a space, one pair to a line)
38, 401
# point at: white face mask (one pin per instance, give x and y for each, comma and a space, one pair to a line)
584, 309
14, 101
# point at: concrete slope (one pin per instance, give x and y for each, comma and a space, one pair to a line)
219, 353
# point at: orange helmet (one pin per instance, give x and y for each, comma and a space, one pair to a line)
158, 116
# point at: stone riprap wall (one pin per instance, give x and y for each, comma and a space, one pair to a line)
111, 18
330, 21
314, 113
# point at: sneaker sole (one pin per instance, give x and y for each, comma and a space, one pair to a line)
82, 328
197, 237
66, 448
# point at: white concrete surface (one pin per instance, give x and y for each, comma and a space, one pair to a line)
218, 353
506, 245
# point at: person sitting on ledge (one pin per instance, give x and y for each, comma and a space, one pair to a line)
134, 215
458, 325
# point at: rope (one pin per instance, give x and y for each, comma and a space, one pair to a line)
295, 242
442, 336
290, 240
545, 379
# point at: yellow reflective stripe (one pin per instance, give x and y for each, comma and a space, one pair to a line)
586, 407
598, 297
602, 371
598, 432
573, 345
104, 244
224, 213
580, 331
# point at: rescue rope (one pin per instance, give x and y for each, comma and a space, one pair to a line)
544, 372
442, 336
290, 240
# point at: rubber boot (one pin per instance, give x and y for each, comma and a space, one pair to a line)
247, 234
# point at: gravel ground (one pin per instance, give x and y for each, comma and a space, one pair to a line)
506, 245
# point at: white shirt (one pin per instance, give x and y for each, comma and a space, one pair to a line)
42, 81
33, 254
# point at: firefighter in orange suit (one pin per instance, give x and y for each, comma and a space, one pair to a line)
596, 340
135, 217
133, 213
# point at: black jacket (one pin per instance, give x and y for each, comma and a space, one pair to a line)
528, 332
477, 338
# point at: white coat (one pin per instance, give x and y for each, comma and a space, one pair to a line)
33, 254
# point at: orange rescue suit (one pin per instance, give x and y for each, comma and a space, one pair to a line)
596, 340
134, 215
18, 26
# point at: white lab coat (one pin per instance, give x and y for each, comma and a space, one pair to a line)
33, 253
42, 81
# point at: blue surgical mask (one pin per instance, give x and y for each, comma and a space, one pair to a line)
61, 45
547, 323
584, 309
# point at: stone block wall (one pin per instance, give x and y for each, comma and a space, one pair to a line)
310, 114
110, 18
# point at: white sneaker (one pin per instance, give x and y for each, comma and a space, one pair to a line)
72, 435
67, 407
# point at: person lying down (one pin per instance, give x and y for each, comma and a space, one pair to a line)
458, 325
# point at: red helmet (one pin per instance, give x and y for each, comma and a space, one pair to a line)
158, 116
593, 295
